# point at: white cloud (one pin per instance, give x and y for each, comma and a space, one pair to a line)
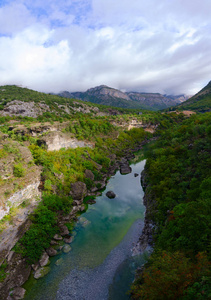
159, 46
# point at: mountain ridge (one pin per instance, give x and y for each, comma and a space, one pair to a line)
113, 97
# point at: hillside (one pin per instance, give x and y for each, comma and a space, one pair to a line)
177, 182
201, 102
112, 97
23, 102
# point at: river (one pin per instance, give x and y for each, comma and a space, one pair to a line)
100, 265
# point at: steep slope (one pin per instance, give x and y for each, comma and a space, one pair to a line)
108, 96
200, 102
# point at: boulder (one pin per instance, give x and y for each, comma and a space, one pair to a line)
69, 240
89, 174
66, 248
57, 237
78, 190
53, 243
18, 293
84, 222
125, 169
41, 272
110, 194
51, 251
36, 266
64, 230
59, 262
135, 174
44, 260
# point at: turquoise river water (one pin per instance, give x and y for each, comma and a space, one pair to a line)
100, 265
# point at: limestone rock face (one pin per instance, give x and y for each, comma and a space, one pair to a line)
57, 140
17, 276
78, 190
30, 192
21, 108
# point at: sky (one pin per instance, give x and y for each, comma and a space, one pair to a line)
133, 45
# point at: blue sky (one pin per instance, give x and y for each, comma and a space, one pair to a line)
133, 45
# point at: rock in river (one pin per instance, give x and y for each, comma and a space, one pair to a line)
41, 272
110, 194
66, 249
69, 240
44, 260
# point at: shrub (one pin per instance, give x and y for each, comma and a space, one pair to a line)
38, 237
18, 170
3, 274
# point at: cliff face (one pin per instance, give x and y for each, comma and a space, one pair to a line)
58, 140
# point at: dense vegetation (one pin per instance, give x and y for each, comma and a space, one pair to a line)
178, 170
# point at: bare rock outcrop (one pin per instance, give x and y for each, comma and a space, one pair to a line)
56, 140
89, 174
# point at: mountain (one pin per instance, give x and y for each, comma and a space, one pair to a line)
200, 102
23, 102
106, 96
109, 96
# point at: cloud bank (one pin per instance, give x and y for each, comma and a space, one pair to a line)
152, 46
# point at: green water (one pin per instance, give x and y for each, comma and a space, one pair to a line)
99, 230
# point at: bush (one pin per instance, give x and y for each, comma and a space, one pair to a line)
38, 237
18, 170
55, 203
3, 274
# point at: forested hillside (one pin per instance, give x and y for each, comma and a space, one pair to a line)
178, 177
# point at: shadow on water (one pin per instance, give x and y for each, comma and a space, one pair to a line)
100, 265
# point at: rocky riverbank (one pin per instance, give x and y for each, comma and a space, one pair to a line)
18, 270
145, 241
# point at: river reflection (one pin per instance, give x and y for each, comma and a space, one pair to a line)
102, 235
